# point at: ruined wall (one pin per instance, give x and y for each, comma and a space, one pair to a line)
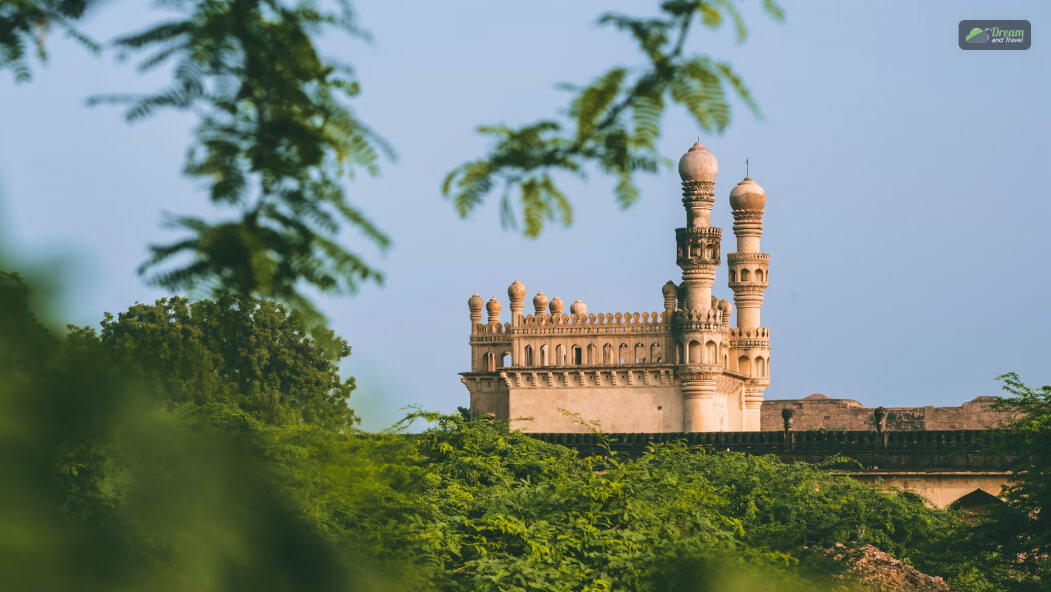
818, 412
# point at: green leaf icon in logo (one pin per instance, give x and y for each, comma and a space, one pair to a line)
977, 35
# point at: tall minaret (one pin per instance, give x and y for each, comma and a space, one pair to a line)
698, 326
749, 342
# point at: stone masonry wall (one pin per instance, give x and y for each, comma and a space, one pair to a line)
818, 412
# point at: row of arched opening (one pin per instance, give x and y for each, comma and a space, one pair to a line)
625, 354
592, 356
712, 353
748, 276
709, 251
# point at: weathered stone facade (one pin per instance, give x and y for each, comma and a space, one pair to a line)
818, 412
683, 369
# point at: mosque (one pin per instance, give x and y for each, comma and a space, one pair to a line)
687, 368
693, 367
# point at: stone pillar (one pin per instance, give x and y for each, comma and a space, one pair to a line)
702, 409
670, 292
516, 293
493, 308
475, 303
753, 403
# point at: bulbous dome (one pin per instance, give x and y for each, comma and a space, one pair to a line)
556, 306
516, 290
540, 302
493, 308
698, 164
669, 290
578, 307
475, 303
748, 195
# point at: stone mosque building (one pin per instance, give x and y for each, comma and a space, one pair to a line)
693, 367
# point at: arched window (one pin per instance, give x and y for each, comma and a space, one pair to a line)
505, 360
578, 356
759, 275
490, 362
655, 353
709, 251
760, 366
560, 356
544, 361
591, 354
726, 361
623, 352
733, 275
640, 353
528, 355
712, 353
607, 354
744, 366
694, 250
746, 275
693, 355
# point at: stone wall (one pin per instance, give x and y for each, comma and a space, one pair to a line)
818, 412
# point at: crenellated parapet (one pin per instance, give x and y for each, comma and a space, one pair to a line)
620, 319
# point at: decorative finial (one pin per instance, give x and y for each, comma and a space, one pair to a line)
746, 167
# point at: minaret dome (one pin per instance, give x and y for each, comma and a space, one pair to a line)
516, 290
748, 195
578, 308
540, 302
698, 164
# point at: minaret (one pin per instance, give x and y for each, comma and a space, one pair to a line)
698, 327
749, 342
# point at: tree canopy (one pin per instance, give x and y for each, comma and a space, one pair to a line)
247, 354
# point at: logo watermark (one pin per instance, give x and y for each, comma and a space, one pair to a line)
995, 34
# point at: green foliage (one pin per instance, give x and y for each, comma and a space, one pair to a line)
150, 456
246, 354
274, 142
25, 24
1021, 528
613, 124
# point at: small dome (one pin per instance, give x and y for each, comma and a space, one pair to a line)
698, 164
747, 195
540, 302
475, 303
556, 306
493, 308
578, 308
669, 290
724, 305
516, 290
816, 397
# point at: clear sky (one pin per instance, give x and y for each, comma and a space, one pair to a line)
907, 186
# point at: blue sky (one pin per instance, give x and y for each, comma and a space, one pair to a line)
906, 182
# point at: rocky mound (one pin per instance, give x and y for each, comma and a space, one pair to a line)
882, 572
